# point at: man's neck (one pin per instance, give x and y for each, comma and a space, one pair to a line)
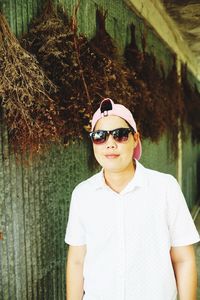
117, 181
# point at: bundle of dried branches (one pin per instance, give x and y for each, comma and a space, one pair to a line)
191, 98
28, 110
111, 74
51, 40
174, 109
147, 81
84, 71
59, 49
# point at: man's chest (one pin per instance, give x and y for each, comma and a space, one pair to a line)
134, 216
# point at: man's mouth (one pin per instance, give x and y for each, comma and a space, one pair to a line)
111, 156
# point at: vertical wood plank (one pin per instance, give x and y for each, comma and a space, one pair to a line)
8, 245
4, 288
22, 232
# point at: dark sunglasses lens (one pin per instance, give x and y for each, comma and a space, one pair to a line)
121, 135
99, 137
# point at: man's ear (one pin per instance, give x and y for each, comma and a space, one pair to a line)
136, 137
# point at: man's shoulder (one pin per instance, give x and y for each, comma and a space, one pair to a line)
158, 176
90, 183
161, 184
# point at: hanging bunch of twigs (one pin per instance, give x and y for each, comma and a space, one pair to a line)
174, 109
26, 106
83, 71
191, 98
57, 46
148, 82
160, 106
112, 76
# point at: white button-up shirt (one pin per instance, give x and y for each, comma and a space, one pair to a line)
128, 235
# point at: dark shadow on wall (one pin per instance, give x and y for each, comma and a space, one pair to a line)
198, 180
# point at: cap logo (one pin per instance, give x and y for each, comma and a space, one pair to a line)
105, 113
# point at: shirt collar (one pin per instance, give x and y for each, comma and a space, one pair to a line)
138, 179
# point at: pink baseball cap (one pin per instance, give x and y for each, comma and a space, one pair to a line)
109, 108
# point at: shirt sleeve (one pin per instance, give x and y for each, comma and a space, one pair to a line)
181, 225
75, 232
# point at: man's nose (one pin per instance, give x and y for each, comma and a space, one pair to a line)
110, 143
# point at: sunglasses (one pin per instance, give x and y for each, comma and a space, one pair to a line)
120, 135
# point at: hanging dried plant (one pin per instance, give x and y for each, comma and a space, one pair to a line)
146, 80
66, 58
28, 110
174, 108
112, 76
191, 98
84, 71
51, 40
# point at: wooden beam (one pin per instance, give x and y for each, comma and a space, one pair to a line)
154, 12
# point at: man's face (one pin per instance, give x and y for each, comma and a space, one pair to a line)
111, 155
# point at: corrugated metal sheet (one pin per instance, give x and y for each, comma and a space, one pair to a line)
34, 200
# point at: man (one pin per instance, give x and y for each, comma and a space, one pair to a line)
129, 229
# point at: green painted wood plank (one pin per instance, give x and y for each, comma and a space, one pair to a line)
30, 13
12, 15
21, 234
19, 17
33, 233
4, 278
8, 245
16, 215
28, 245
37, 183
